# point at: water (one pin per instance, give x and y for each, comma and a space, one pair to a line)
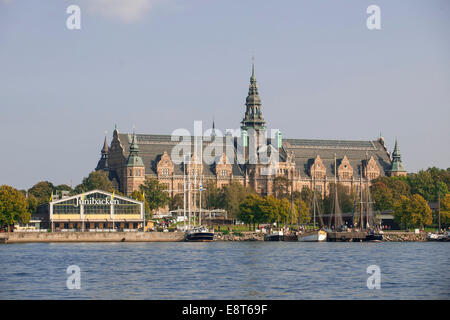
225, 270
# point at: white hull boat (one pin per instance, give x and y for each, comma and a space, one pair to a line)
315, 236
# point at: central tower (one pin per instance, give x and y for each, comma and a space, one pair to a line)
253, 118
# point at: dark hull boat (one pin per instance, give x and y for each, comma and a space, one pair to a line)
280, 236
372, 236
200, 234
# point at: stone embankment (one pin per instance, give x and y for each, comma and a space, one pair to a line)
243, 236
404, 236
391, 236
21, 237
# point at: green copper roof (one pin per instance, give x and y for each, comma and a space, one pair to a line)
134, 160
397, 165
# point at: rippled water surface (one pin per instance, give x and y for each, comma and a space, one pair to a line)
225, 270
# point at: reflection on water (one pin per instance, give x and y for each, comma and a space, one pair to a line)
225, 270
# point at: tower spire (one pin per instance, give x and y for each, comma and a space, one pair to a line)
103, 162
397, 168
253, 117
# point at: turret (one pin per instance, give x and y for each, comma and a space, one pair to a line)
397, 168
103, 162
134, 168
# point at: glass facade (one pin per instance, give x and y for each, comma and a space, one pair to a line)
66, 207
126, 207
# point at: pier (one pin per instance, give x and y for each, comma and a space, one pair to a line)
346, 236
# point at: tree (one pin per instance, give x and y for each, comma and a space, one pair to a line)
63, 187
212, 198
13, 207
32, 204
445, 209
280, 187
382, 196
41, 191
304, 215
231, 197
412, 212
387, 190
155, 193
176, 202
346, 200
136, 195
250, 210
270, 209
423, 184
96, 180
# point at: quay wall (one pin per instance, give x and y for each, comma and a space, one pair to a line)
404, 236
390, 236
20, 237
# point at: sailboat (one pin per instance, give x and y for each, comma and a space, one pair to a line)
196, 233
314, 235
438, 236
372, 232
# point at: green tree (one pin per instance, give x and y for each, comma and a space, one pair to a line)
211, 195
250, 210
270, 208
445, 209
382, 196
155, 193
13, 207
177, 202
304, 215
63, 187
136, 195
32, 204
41, 191
231, 197
412, 212
96, 180
346, 200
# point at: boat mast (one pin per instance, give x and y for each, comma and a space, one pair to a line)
335, 193
314, 200
195, 194
189, 194
439, 209
184, 193
200, 184
367, 193
361, 199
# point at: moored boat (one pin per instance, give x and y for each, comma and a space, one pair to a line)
199, 234
274, 236
437, 236
314, 236
374, 236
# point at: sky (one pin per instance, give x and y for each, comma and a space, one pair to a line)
159, 65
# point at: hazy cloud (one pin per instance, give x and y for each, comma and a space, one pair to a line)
124, 10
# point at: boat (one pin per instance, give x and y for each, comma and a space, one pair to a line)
313, 236
274, 236
373, 235
438, 237
199, 234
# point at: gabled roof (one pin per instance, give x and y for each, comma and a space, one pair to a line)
96, 191
304, 150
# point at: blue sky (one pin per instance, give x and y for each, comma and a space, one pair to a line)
161, 64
